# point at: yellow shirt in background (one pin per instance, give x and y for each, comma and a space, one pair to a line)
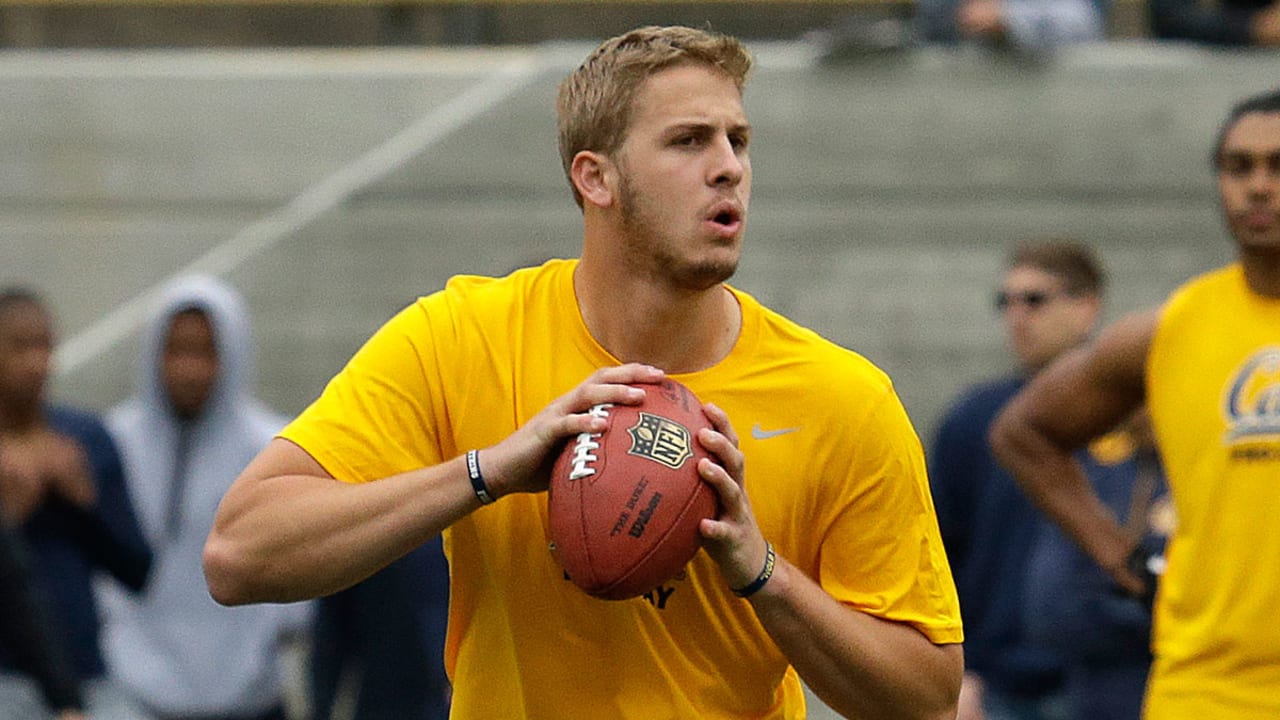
834, 470
1213, 387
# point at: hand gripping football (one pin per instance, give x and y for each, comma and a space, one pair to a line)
625, 503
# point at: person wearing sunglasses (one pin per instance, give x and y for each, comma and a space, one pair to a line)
1049, 301
1206, 364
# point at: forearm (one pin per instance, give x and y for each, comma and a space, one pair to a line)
124, 554
1056, 483
288, 531
860, 665
293, 537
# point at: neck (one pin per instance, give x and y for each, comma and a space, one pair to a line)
1262, 273
636, 320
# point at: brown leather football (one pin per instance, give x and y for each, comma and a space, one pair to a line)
625, 503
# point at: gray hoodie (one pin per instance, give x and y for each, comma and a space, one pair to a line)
171, 646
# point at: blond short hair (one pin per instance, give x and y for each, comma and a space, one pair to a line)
594, 102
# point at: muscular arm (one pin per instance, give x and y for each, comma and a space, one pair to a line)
1076, 399
287, 531
860, 665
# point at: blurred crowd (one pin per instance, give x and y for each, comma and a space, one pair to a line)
104, 610
1038, 27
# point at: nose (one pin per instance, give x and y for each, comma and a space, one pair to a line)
1016, 315
1264, 181
729, 162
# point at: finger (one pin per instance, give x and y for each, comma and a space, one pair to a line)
730, 457
716, 532
588, 396
578, 423
732, 498
720, 421
613, 385
628, 373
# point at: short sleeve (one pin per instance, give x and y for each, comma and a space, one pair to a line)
883, 553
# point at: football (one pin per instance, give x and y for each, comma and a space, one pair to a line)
625, 503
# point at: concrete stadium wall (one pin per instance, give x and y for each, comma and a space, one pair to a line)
886, 191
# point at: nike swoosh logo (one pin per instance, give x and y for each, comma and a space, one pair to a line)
760, 433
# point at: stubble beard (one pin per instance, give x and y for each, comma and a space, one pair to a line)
653, 255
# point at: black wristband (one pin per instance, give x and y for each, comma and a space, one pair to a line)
477, 480
1146, 562
767, 572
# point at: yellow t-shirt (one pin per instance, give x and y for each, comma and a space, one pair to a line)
1213, 386
837, 482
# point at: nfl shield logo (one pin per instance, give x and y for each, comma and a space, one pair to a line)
660, 440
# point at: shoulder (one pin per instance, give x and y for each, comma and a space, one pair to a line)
1212, 291
781, 340
87, 429
835, 373
470, 302
472, 307
830, 381
479, 293
1117, 359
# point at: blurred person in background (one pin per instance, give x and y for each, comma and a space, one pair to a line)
186, 432
62, 490
377, 648
382, 641
1102, 634
1206, 364
1050, 300
1240, 23
1029, 26
27, 636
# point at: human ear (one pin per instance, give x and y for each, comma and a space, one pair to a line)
593, 175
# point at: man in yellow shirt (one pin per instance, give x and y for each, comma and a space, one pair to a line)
1207, 363
446, 419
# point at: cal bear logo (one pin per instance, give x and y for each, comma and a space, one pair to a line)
661, 440
1252, 400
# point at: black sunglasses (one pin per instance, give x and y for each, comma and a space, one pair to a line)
1033, 299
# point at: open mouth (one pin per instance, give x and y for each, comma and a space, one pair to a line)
726, 215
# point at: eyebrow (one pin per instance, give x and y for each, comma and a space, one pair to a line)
699, 126
1237, 160
1246, 154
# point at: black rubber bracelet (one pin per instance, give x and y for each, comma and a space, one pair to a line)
767, 572
477, 480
